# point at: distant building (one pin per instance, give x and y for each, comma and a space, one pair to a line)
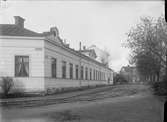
39, 61
89, 52
130, 73
102, 56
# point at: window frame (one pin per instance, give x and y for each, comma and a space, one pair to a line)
76, 72
71, 70
64, 68
54, 67
90, 75
86, 73
82, 73
15, 65
94, 74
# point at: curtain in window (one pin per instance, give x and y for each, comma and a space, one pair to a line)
22, 66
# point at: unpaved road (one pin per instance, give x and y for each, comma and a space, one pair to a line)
129, 103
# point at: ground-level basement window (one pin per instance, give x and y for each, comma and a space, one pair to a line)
21, 66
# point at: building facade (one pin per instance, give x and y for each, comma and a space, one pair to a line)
40, 61
130, 73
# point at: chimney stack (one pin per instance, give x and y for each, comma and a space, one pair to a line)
68, 45
84, 47
19, 21
64, 41
79, 45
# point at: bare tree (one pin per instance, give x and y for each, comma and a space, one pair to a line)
148, 43
105, 57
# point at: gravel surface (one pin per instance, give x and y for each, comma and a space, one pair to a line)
123, 103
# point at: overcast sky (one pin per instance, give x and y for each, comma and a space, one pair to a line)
103, 23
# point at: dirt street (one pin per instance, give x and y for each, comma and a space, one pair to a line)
129, 103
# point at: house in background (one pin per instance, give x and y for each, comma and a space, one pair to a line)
89, 52
102, 56
40, 61
130, 73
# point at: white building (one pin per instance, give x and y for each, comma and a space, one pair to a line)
39, 61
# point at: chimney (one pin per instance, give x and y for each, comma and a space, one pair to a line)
79, 45
64, 41
19, 21
84, 47
68, 45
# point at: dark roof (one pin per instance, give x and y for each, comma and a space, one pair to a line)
14, 30
128, 68
87, 50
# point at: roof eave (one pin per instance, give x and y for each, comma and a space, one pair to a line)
21, 37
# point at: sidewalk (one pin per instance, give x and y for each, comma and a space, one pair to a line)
56, 97
82, 95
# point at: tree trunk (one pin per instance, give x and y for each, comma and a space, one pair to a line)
157, 76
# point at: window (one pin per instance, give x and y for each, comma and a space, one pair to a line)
76, 71
53, 67
99, 75
71, 71
90, 74
63, 69
82, 72
21, 66
94, 74
86, 73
